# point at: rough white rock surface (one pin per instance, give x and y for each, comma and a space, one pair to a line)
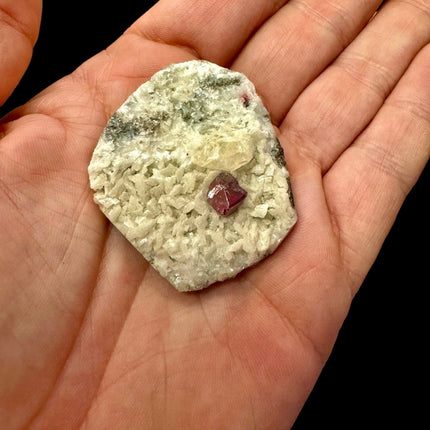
160, 151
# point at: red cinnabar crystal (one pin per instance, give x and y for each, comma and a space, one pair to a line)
225, 194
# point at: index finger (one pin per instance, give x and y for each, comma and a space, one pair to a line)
173, 31
212, 30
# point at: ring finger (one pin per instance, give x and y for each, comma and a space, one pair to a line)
340, 103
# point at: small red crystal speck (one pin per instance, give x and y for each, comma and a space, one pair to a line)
245, 99
225, 194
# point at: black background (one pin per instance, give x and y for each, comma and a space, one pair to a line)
376, 376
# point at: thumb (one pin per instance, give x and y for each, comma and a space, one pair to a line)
19, 28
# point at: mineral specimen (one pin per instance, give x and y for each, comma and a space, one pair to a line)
182, 153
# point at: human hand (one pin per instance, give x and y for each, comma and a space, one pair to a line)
88, 332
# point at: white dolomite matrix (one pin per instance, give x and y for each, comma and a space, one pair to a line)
160, 151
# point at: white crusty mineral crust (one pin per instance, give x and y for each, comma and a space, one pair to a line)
160, 151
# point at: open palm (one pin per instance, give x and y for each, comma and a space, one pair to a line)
91, 335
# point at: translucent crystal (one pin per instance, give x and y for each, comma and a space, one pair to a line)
224, 152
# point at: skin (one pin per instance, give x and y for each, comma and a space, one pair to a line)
90, 335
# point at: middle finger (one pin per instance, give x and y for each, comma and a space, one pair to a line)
297, 44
